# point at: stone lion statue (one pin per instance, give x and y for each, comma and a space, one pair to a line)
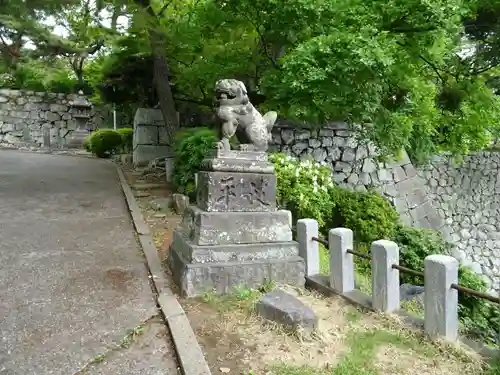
237, 116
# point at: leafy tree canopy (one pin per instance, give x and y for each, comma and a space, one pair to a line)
417, 74
396, 68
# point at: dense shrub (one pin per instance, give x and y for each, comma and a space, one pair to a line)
370, 216
86, 143
104, 142
306, 189
127, 135
414, 245
191, 146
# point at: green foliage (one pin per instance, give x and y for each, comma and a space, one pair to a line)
86, 143
370, 216
191, 146
416, 244
480, 318
127, 135
104, 142
383, 65
306, 189
125, 75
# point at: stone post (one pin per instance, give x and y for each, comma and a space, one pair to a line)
150, 139
385, 279
341, 262
308, 249
441, 301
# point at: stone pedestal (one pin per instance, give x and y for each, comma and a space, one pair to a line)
150, 137
235, 235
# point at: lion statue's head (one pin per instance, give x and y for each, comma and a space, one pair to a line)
231, 92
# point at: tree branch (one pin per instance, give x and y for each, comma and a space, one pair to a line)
164, 8
431, 64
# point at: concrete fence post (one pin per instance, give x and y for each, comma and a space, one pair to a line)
341, 262
385, 279
441, 301
308, 249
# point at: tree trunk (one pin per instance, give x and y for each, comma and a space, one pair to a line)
161, 71
162, 84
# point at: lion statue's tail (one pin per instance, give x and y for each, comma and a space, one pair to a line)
270, 119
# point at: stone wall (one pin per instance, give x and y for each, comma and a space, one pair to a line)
26, 115
460, 201
467, 197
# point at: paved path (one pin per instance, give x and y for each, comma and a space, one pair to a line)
73, 280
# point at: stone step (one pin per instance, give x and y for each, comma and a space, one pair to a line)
193, 253
220, 228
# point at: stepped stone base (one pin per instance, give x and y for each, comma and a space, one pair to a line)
231, 252
222, 277
220, 228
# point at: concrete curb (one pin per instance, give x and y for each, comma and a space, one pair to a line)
189, 353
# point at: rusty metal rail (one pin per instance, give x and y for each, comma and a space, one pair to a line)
358, 254
475, 293
409, 271
321, 241
353, 252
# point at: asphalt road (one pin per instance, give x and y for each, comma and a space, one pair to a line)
73, 279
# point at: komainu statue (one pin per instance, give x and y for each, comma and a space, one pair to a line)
238, 116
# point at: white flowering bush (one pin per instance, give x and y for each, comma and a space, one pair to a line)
304, 187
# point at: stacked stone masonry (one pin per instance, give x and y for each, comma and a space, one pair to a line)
461, 201
25, 116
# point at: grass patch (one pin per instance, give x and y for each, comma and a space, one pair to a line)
348, 341
371, 354
363, 279
242, 298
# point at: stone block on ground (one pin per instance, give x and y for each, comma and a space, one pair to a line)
285, 309
147, 143
409, 292
181, 203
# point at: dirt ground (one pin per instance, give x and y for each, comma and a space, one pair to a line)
347, 341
